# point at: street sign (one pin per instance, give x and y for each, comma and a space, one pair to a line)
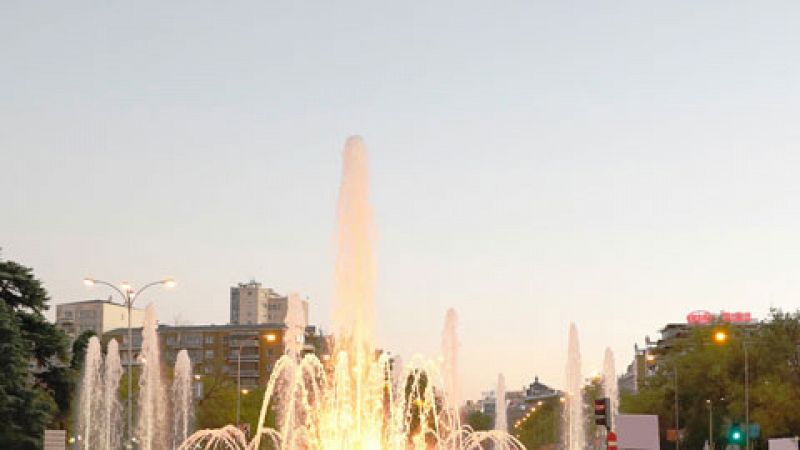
55, 439
637, 432
611, 441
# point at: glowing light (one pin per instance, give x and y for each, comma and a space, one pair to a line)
345, 404
169, 283
88, 282
720, 337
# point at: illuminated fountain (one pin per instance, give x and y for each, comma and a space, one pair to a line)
610, 386
500, 420
452, 390
359, 399
574, 428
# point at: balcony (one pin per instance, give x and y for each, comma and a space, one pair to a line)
245, 356
245, 342
247, 373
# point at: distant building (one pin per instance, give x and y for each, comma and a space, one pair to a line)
253, 304
537, 391
646, 359
518, 403
99, 316
214, 349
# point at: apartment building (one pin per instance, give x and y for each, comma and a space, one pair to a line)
99, 316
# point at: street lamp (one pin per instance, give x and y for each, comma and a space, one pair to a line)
239, 390
721, 337
129, 295
710, 424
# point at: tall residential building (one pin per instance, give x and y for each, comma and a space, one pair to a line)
99, 316
221, 350
253, 304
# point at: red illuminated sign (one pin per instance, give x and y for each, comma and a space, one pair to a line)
707, 318
699, 318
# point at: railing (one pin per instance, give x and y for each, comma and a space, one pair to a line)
245, 356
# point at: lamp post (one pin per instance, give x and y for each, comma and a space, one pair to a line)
746, 396
239, 390
129, 295
677, 412
721, 337
710, 424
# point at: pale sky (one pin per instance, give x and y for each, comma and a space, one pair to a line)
617, 164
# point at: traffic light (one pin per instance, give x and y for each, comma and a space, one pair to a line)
602, 413
735, 435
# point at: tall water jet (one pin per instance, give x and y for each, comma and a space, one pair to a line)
181, 398
610, 384
350, 402
295, 326
112, 408
354, 312
450, 346
152, 411
500, 420
354, 309
91, 397
574, 421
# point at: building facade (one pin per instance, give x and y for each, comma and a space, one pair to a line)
215, 350
647, 358
99, 316
251, 303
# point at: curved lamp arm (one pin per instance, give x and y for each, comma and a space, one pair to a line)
165, 282
93, 281
131, 296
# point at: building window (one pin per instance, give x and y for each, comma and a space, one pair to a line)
86, 314
191, 339
209, 354
67, 314
210, 339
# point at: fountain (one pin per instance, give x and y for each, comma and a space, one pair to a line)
500, 420
152, 401
91, 396
100, 418
112, 408
574, 419
99, 411
610, 386
450, 365
181, 398
359, 399
295, 326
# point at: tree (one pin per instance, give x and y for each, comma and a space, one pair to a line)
217, 407
542, 429
34, 380
479, 421
707, 371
